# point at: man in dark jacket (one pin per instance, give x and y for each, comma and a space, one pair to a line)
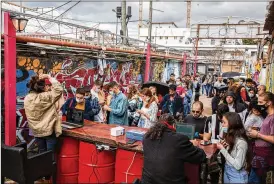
172, 103
89, 107
234, 106
165, 153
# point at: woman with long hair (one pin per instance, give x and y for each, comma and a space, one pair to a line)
149, 110
165, 153
134, 103
234, 148
41, 112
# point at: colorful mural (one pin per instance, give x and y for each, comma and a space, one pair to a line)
72, 72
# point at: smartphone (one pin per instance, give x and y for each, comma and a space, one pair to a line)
205, 143
131, 141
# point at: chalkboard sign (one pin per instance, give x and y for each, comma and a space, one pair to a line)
186, 129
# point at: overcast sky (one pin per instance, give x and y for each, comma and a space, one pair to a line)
173, 12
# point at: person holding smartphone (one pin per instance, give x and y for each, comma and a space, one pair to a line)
234, 148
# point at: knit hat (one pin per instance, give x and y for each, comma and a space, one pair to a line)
230, 93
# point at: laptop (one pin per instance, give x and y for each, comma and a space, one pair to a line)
74, 119
186, 129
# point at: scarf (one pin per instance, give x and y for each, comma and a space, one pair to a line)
169, 126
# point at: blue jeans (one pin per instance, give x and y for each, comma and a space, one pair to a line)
231, 175
186, 109
204, 89
253, 177
47, 143
208, 89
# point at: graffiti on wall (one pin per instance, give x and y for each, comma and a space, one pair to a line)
72, 72
158, 69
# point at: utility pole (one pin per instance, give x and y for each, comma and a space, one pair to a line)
188, 13
150, 21
147, 67
140, 17
124, 19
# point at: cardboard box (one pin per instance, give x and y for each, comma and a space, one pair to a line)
117, 131
135, 135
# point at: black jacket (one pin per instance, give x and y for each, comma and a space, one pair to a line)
177, 104
214, 103
164, 159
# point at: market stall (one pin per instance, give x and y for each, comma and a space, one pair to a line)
91, 155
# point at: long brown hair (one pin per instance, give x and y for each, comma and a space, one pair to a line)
132, 90
147, 92
36, 85
236, 130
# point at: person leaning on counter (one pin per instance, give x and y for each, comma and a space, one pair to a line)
89, 107
165, 153
118, 106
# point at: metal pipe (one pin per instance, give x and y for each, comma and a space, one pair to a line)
92, 47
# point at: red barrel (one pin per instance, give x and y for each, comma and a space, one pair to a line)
129, 166
68, 161
192, 173
95, 166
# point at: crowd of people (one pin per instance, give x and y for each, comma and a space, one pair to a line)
242, 120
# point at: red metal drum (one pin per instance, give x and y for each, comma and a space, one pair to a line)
129, 166
192, 173
95, 166
68, 161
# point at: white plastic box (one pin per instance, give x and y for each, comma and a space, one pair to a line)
117, 131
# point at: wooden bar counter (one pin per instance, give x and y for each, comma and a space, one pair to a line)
96, 133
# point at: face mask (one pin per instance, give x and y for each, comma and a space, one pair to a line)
79, 101
178, 83
97, 90
224, 129
241, 83
184, 86
86, 97
111, 93
247, 88
147, 99
263, 108
251, 95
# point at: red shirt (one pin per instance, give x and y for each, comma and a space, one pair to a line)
180, 90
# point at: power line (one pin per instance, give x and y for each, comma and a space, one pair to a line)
50, 23
54, 8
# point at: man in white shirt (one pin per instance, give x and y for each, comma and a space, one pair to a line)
219, 82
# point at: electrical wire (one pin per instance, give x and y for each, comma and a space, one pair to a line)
42, 26
133, 158
53, 9
50, 23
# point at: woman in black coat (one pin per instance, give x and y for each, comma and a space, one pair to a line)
165, 153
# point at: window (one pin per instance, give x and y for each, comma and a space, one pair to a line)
166, 37
175, 37
152, 37
212, 42
161, 37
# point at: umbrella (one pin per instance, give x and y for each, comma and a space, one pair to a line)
230, 74
162, 88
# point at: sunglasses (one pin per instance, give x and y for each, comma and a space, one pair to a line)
196, 112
